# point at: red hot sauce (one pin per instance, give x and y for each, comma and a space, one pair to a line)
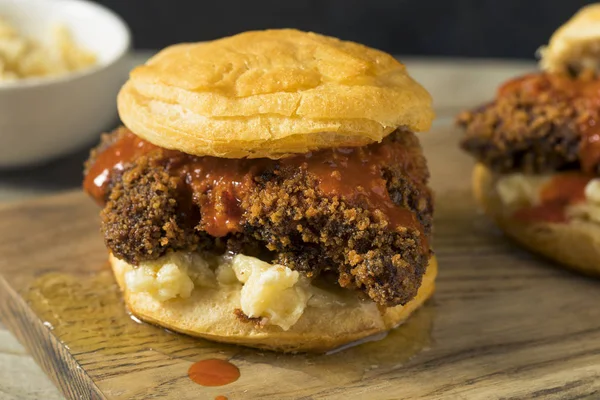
111, 160
356, 174
219, 185
563, 190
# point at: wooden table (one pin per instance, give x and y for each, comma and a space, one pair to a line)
454, 84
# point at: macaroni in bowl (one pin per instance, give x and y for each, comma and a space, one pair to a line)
22, 57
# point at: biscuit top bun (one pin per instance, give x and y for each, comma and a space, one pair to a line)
271, 94
576, 44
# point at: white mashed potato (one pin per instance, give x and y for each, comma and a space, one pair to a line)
273, 293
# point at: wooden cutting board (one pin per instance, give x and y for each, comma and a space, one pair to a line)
503, 323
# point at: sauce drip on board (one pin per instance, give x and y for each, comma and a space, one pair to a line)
220, 398
213, 372
563, 190
583, 93
218, 185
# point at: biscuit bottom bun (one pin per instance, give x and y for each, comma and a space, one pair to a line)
210, 313
575, 244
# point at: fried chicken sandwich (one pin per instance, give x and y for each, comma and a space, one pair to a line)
538, 149
268, 190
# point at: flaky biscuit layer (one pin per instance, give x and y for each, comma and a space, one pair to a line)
576, 44
270, 94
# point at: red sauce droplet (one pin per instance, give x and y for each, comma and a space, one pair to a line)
213, 372
220, 398
562, 190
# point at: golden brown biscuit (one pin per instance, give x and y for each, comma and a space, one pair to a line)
576, 44
209, 314
269, 94
575, 244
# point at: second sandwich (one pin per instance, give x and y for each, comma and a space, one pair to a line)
538, 149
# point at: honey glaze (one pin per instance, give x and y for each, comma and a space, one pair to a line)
582, 93
561, 191
218, 186
89, 318
213, 372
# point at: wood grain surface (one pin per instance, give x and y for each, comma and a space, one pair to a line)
502, 325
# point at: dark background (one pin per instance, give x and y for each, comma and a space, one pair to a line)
473, 28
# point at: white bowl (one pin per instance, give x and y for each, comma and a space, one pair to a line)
44, 118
